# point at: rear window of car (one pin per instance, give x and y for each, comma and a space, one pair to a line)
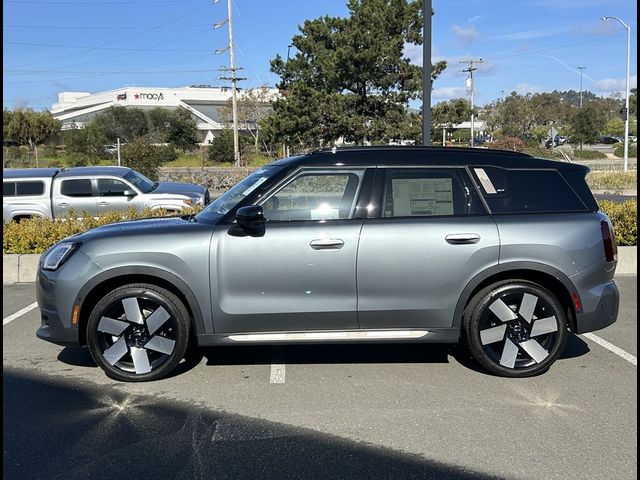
76, 188
509, 191
31, 188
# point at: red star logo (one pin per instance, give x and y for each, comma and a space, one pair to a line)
136, 96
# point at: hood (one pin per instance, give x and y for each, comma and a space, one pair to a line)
180, 188
149, 226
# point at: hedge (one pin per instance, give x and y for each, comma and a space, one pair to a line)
36, 235
589, 154
619, 150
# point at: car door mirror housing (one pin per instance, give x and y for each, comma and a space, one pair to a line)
130, 193
251, 220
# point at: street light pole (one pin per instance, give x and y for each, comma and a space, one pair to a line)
426, 72
626, 102
581, 69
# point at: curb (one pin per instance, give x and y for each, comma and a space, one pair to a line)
23, 268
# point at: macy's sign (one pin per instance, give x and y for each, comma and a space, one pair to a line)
149, 96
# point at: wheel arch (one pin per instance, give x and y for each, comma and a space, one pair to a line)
548, 277
99, 285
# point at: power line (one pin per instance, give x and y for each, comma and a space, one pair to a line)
99, 27
57, 45
117, 40
92, 2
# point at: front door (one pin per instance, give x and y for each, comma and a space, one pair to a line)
111, 196
301, 274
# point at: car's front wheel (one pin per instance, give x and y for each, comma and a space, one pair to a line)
138, 332
515, 328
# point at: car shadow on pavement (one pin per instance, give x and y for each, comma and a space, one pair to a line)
58, 428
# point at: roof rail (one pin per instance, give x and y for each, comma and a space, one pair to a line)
482, 151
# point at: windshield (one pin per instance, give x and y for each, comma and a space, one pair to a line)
237, 193
140, 181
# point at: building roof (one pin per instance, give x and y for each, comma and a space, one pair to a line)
29, 173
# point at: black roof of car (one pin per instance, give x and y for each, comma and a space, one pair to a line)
88, 171
422, 155
29, 173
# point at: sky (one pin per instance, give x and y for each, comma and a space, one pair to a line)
527, 46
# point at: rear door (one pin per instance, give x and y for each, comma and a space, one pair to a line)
428, 237
74, 194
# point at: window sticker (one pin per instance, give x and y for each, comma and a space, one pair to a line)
485, 180
422, 196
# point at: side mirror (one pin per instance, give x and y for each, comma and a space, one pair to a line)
251, 220
129, 193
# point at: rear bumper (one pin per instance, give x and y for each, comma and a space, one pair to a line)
605, 312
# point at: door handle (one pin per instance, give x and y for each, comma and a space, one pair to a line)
63, 204
327, 244
103, 204
462, 238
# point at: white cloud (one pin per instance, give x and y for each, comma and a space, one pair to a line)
609, 85
446, 93
475, 18
464, 35
524, 88
413, 53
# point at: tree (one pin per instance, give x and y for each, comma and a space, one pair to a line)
587, 124
221, 148
253, 105
182, 130
349, 79
448, 114
88, 140
26, 127
615, 127
146, 158
124, 123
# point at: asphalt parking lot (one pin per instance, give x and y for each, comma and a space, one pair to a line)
319, 411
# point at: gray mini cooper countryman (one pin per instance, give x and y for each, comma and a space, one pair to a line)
499, 250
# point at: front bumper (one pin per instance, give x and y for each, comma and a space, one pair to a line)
56, 293
605, 312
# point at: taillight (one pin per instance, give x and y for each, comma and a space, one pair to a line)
609, 241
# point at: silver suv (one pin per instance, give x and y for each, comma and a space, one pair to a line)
499, 250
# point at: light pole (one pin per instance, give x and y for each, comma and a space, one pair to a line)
581, 69
626, 102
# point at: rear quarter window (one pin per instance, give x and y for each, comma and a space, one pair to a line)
526, 191
29, 188
8, 189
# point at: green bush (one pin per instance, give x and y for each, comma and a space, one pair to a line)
624, 217
589, 154
36, 235
619, 150
145, 157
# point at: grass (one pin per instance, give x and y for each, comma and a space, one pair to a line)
613, 182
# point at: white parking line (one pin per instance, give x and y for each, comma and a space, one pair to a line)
19, 313
612, 348
278, 373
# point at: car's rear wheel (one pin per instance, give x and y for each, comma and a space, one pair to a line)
515, 328
138, 333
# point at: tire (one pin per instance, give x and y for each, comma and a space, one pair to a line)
138, 333
515, 328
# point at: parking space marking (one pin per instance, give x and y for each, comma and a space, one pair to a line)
612, 348
278, 373
19, 313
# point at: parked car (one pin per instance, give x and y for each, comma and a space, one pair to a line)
609, 140
498, 250
557, 141
53, 193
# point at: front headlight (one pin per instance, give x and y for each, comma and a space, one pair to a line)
58, 254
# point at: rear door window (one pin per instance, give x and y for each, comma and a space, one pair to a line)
76, 188
526, 191
428, 192
8, 189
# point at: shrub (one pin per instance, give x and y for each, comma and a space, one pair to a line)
589, 154
619, 150
624, 217
36, 235
613, 182
145, 157
221, 148
513, 144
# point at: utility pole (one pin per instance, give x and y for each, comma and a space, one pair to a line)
234, 94
427, 12
581, 69
470, 69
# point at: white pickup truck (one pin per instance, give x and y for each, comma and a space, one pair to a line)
52, 192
